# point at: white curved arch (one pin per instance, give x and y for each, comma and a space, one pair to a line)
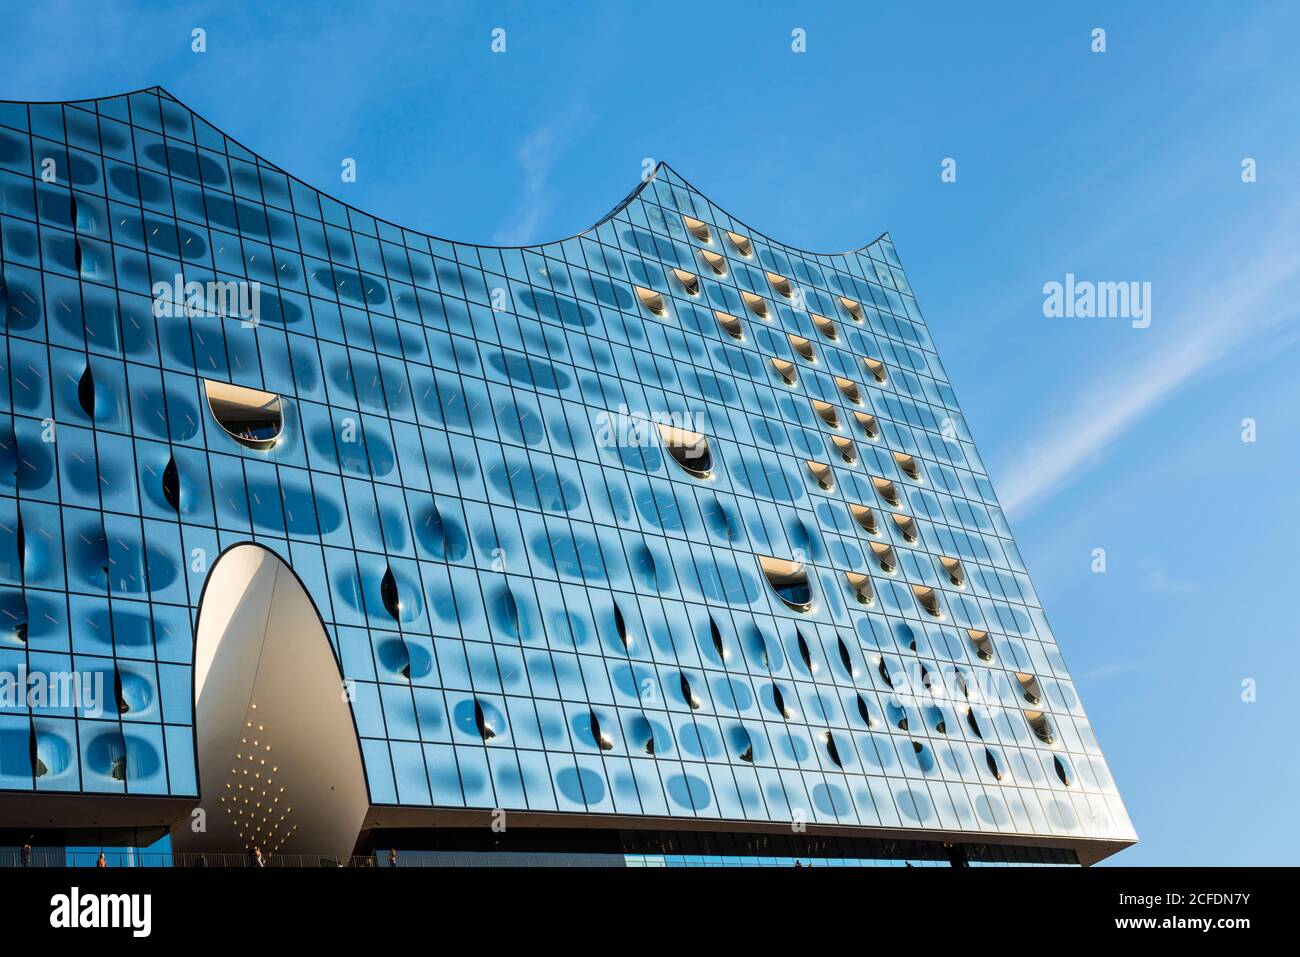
279, 762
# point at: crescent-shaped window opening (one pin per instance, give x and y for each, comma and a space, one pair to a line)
928, 599
780, 285
755, 304
803, 347
827, 413
651, 300
908, 464
690, 450
742, 244
1041, 726
823, 474
864, 516
852, 307
849, 389
953, 568
877, 370
253, 418
982, 642
906, 527
869, 424
689, 281
885, 556
887, 490
844, 445
861, 587
826, 327
715, 261
729, 324
1030, 688
786, 370
697, 228
789, 580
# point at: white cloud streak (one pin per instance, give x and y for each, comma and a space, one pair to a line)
537, 155
1257, 301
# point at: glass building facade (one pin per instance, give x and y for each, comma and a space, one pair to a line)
666, 524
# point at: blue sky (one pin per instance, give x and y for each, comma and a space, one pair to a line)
1116, 166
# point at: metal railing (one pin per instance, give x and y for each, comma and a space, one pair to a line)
130, 857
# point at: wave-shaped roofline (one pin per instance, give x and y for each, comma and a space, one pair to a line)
623, 204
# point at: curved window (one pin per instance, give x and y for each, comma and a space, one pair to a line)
603, 740
690, 282
688, 449
844, 445
1062, 770
620, 627
780, 285
885, 556
805, 653
485, 722
1030, 687
803, 347
883, 670
715, 261
865, 517
1041, 727
642, 734
729, 324
742, 744
846, 659
861, 587
906, 527
887, 490
973, 724
13, 615
778, 699
388, 594
852, 307
742, 244
755, 304
688, 694
908, 465
826, 327
786, 370
698, 229
982, 642
651, 300
86, 393
789, 580
877, 370
171, 484
823, 474
831, 750
826, 412
849, 389
249, 416
928, 599
869, 424
864, 712
715, 635
897, 715
952, 567
992, 762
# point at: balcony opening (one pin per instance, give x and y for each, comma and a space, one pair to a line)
877, 370
86, 393
484, 722
908, 465
887, 490
729, 324
715, 635
742, 244
956, 574
690, 450
698, 229
849, 389
823, 474
388, 594
755, 304
906, 527
865, 517
864, 712
689, 281
603, 740
826, 327
251, 417
928, 599
1041, 727
789, 580
651, 300
1062, 771
852, 307
885, 556
882, 669
973, 724
786, 370
844, 445
869, 424
982, 643
780, 285
803, 347
846, 659
827, 413
861, 587
715, 261
1030, 688
620, 627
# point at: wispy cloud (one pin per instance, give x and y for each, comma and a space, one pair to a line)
1218, 321
537, 155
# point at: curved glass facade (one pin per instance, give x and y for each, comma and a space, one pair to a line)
659, 521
